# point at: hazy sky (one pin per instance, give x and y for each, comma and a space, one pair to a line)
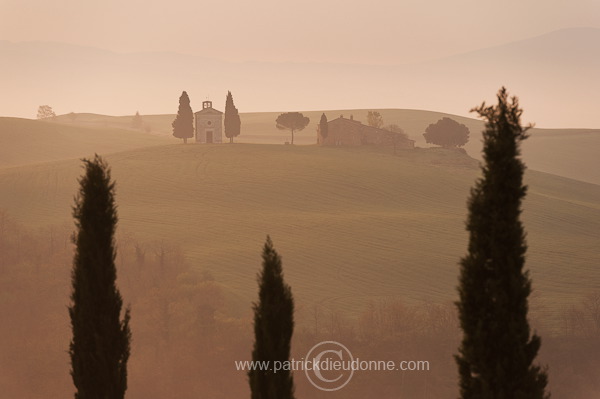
373, 32
376, 32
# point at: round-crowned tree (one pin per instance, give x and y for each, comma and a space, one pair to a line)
447, 133
293, 121
45, 111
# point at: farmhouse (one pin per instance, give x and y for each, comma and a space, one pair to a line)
348, 132
209, 124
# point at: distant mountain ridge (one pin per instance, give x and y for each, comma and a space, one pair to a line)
555, 75
580, 42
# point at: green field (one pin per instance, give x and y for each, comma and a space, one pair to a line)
352, 224
564, 152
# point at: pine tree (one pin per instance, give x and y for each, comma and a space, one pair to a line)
100, 344
292, 121
232, 120
273, 329
498, 349
323, 127
183, 125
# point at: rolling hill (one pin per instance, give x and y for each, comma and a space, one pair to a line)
564, 152
352, 224
25, 141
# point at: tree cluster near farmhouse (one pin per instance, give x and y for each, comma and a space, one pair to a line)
375, 119
396, 129
447, 133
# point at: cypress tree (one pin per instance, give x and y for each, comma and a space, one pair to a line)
323, 127
273, 329
100, 344
183, 125
496, 356
231, 120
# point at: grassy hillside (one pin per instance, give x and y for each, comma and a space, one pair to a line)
564, 152
352, 224
25, 141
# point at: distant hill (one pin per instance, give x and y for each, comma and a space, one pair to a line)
569, 153
352, 224
555, 75
25, 141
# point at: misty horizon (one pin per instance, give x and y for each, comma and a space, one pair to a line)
568, 57
208, 199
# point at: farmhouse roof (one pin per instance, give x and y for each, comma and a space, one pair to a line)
366, 128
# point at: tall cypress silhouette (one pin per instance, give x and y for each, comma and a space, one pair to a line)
498, 349
273, 329
100, 344
323, 126
183, 125
231, 120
